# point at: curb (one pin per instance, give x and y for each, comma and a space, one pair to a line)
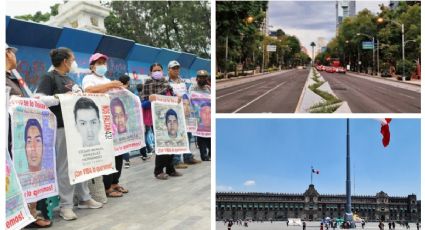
382, 78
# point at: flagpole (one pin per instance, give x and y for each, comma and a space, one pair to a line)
348, 215
311, 175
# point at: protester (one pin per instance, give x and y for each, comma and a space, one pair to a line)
15, 89
125, 80
97, 82
180, 89
203, 86
147, 121
55, 82
158, 85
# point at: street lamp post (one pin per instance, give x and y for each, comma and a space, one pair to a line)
373, 50
381, 20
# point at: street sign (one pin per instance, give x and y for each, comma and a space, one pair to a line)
367, 45
324, 49
271, 48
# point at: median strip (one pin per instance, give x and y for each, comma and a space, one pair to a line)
318, 97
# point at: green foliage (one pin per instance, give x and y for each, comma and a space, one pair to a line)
408, 65
346, 46
39, 16
244, 39
183, 26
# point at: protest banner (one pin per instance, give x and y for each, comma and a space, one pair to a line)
191, 121
17, 214
169, 126
33, 128
127, 121
201, 105
88, 133
179, 88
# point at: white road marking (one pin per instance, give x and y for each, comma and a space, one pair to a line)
256, 99
239, 90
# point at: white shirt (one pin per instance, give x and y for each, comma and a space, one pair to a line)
94, 80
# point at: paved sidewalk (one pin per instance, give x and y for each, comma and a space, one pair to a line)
414, 82
177, 203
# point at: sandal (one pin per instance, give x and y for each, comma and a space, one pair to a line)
36, 224
119, 188
113, 194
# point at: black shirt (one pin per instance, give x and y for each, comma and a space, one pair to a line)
54, 83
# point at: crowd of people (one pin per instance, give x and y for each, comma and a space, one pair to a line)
57, 81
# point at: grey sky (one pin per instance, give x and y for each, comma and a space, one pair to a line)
21, 7
309, 20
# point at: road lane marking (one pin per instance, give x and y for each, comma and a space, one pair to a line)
238, 90
256, 99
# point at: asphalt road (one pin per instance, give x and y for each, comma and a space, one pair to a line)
365, 96
277, 94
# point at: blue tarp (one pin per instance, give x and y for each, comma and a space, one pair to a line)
35, 41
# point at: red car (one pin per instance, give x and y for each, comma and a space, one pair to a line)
341, 70
330, 69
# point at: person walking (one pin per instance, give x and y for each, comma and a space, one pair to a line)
304, 225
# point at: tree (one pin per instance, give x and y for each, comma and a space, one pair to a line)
238, 30
39, 16
183, 26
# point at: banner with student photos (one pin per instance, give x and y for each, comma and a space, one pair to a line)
88, 132
33, 128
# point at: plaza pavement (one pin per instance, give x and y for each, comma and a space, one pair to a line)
177, 203
315, 225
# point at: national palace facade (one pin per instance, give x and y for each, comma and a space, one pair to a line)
313, 206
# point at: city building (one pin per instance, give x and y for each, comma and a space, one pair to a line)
311, 205
83, 15
320, 44
394, 4
344, 8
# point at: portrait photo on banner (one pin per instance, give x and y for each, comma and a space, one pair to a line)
191, 121
169, 126
127, 121
88, 133
33, 147
201, 105
17, 213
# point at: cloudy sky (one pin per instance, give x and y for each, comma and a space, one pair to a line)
20, 7
309, 20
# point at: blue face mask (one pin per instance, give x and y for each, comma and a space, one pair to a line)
101, 70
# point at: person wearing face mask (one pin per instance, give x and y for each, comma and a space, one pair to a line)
180, 89
203, 86
157, 85
96, 82
55, 82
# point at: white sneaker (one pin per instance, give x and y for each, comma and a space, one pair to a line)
67, 214
89, 204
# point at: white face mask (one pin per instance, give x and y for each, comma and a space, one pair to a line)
74, 67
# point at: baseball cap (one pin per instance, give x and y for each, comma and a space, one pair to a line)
202, 73
96, 57
173, 63
11, 48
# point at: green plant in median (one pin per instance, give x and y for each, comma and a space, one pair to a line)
331, 102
